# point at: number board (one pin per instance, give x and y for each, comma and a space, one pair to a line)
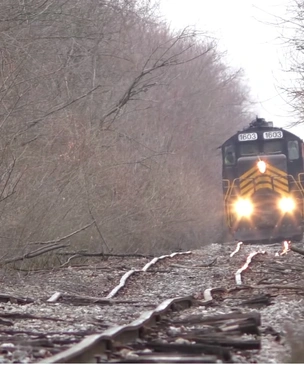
247, 137
273, 135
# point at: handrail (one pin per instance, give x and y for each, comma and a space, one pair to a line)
227, 196
301, 174
228, 188
300, 184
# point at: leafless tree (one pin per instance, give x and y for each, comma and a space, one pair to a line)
292, 41
108, 116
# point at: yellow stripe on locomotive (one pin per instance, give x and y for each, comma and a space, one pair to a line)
273, 179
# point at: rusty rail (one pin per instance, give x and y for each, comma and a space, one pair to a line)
94, 345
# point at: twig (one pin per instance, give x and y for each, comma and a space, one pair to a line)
69, 260
35, 121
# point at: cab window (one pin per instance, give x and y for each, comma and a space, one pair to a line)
249, 148
293, 150
272, 147
229, 155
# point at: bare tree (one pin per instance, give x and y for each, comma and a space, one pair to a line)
292, 40
107, 116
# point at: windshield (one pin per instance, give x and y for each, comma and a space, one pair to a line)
249, 148
272, 147
253, 148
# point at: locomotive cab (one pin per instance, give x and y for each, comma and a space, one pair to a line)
263, 183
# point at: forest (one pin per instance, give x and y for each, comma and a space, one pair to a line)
110, 127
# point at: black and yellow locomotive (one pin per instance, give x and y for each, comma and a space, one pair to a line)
263, 183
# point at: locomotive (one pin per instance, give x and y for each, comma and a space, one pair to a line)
263, 183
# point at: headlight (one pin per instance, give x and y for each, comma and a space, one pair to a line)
287, 205
243, 207
261, 166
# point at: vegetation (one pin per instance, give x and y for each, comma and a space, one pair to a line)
293, 41
109, 128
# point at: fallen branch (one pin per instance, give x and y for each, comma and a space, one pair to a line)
64, 237
69, 260
33, 254
52, 245
97, 254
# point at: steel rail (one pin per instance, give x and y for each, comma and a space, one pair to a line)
94, 345
238, 274
129, 273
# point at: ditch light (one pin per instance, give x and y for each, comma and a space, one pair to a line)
287, 205
243, 208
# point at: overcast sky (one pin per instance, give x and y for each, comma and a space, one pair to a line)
247, 30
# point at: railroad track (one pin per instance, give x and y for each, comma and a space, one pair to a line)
156, 336
115, 327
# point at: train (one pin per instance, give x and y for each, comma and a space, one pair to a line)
263, 183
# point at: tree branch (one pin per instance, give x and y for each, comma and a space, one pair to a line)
35, 253
62, 238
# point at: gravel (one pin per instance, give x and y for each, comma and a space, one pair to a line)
209, 267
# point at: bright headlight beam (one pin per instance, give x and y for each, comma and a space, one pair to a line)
287, 205
243, 207
261, 166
